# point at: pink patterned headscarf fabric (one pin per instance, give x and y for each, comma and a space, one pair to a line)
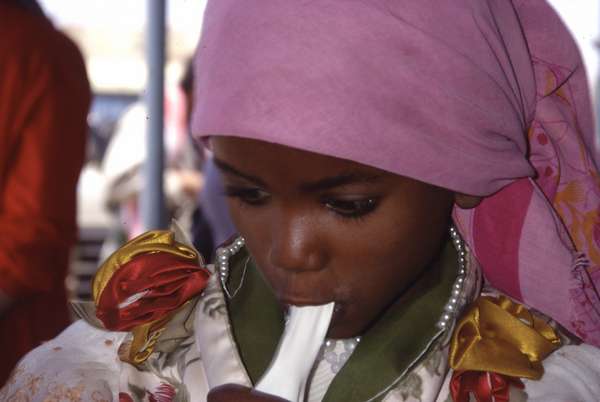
483, 97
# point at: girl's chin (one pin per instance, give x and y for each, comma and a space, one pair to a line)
342, 326
342, 333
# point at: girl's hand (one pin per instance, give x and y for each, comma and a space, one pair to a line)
239, 393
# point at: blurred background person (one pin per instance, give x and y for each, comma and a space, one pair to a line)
123, 167
44, 101
215, 213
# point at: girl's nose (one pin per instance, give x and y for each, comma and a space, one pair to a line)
295, 244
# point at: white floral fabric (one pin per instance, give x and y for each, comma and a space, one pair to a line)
199, 353
79, 365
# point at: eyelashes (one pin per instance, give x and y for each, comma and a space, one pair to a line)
351, 208
343, 207
247, 195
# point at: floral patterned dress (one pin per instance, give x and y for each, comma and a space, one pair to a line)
213, 340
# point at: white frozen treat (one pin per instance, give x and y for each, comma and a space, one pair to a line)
304, 334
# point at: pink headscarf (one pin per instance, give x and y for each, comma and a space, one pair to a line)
483, 97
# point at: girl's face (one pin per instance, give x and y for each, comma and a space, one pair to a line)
323, 229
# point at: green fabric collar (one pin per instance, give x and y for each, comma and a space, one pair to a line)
387, 350
256, 318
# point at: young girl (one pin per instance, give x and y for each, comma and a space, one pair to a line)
416, 194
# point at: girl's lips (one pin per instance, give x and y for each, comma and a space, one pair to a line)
304, 298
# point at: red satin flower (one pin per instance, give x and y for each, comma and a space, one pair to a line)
148, 288
485, 386
123, 397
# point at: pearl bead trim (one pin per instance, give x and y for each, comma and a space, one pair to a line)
455, 303
222, 261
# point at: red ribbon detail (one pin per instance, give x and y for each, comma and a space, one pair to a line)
167, 280
485, 386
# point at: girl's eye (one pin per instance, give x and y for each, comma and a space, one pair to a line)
247, 195
351, 208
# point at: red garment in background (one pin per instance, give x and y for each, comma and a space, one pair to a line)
44, 100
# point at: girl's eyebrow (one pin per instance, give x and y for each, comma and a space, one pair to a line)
343, 179
327, 183
227, 168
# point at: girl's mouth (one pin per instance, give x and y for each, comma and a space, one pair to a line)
338, 308
292, 301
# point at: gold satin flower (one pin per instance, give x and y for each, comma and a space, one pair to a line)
500, 336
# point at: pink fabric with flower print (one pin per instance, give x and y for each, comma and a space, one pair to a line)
549, 256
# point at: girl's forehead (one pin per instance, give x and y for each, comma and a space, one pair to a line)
277, 167
241, 154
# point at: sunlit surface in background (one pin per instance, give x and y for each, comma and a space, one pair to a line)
583, 19
111, 34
